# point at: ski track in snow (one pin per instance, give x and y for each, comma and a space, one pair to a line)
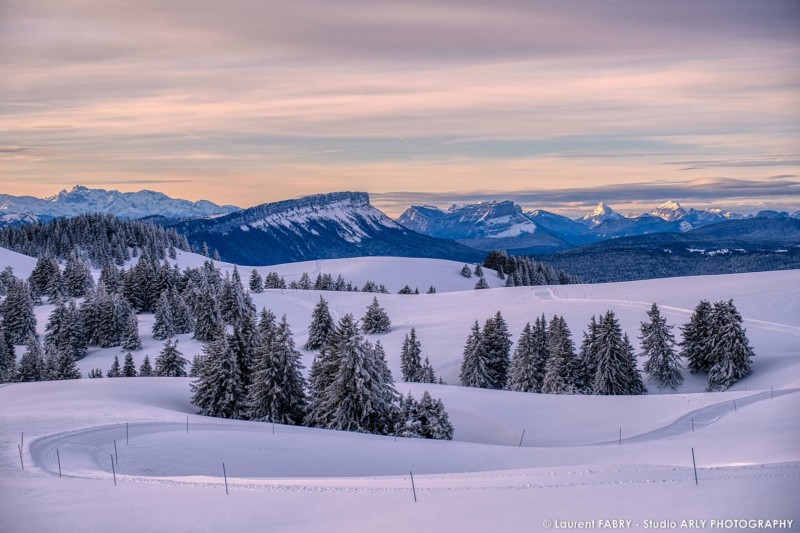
700, 418
81, 447
550, 294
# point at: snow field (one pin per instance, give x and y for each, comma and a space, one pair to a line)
570, 465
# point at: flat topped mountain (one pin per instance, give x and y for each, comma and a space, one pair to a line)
321, 226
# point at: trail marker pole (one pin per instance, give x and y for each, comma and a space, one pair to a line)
22, 440
58, 455
225, 475
620, 436
520, 439
187, 424
771, 391
694, 464
127, 434
413, 488
692, 425
116, 457
19, 448
113, 471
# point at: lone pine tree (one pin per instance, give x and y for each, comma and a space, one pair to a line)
321, 328
376, 320
410, 357
170, 362
658, 346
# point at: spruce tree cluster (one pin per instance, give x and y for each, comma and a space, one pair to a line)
525, 271
426, 419
96, 239
715, 341
487, 355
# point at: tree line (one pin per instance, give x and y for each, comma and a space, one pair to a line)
545, 359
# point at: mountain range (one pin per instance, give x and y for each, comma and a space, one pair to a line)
346, 224
18, 210
322, 226
504, 225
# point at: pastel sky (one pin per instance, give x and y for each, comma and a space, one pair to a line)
555, 104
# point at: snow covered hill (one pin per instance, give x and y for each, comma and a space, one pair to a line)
517, 460
15, 210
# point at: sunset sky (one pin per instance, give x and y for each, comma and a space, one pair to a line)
556, 104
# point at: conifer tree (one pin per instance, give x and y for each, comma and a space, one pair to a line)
431, 290
31, 367
95, 373
208, 322
475, 367
163, 325
129, 368
408, 423
256, 282
731, 352
478, 271
376, 320
182, 320
616, 364
658, 346
434, 421
587, 360
8, 359
277, 391
218, 390
63, 367
522, 375
358, 397
363, 400
496, 342
560, 368
426, 373
244, 342
170, 362
146, 369
115, 371
19, 321
481, 284
130, 333
697, 334
321, 328
410, 357
466, 271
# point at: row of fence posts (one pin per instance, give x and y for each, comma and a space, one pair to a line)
115, 455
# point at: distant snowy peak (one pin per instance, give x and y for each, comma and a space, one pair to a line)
130, 205
485, 220
602, 213
670, 211
349, 212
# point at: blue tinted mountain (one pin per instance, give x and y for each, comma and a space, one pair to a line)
321, 226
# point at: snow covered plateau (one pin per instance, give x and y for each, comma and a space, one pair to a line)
131, 454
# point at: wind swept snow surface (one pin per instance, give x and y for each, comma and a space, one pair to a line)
567, 466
